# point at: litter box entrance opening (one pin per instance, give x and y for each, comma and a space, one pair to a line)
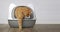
20, 8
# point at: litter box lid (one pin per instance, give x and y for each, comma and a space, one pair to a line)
12, 6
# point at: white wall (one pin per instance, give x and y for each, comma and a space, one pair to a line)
47, 11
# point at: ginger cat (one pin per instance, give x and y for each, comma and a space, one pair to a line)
20, 13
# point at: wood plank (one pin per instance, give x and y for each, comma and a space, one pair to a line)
4, 28
24, 30
12, 30
36, 28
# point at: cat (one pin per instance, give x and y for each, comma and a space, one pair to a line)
20, 13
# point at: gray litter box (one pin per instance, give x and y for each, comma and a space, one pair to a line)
27, 22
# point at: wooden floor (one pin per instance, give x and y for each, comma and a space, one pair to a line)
36, 28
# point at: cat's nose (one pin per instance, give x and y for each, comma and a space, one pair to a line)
27, 15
